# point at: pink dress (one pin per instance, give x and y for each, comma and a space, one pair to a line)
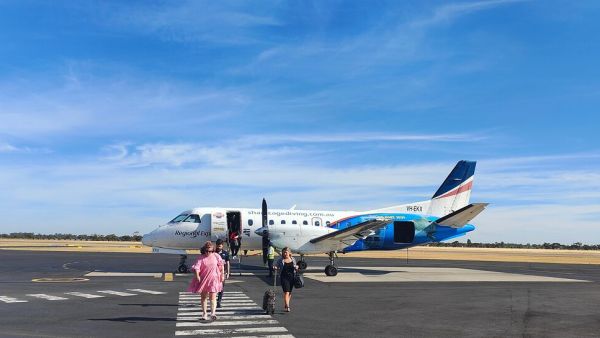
209, 268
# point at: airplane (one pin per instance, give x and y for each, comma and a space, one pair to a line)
445, 216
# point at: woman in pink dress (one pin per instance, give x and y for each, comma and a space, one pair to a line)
209, 278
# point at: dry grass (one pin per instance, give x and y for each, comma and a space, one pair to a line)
423, 252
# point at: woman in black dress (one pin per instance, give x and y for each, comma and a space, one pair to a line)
287, 267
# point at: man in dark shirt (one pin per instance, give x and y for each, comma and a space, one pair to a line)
225, 255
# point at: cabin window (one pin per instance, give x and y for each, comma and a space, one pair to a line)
250, 222
294, 222
305, 222
271, 222
192, 219
327, 223
317, 223
282, 221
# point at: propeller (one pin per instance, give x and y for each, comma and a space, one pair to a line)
265, 235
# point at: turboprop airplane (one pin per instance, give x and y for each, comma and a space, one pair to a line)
445, 216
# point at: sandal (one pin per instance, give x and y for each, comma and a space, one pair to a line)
203, 317
287, 309
213, 317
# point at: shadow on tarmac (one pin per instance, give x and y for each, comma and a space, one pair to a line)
135, 319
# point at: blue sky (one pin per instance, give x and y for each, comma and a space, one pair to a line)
115, 116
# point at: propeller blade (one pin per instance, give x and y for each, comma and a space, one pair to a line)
265, 235
264, 213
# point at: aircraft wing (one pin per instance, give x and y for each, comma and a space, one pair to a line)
462, 216
357, 231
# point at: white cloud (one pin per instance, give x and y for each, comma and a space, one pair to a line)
34, 109
7, 148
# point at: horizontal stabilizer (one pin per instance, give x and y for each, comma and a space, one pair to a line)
355, 230
462, 216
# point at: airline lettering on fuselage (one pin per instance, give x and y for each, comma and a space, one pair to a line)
416, 208
192, 234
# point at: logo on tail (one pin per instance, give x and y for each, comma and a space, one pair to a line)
455, 192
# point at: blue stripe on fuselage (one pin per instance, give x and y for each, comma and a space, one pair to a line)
384, 238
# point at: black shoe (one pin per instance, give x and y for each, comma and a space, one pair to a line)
218, 305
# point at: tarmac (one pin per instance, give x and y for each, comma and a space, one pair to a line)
79, 294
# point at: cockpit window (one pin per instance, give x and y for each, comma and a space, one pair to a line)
179, 218
193, 218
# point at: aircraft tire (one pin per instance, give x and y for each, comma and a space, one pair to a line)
182, 268
302, 265
331, 270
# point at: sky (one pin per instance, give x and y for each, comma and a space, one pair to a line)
117, 115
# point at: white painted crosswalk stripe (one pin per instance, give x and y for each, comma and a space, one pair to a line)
195, 308
7, 299
221, 317
147, 291
84, 295
219, 332
238, 315
117, 293
229, 323
45, 296
240, 312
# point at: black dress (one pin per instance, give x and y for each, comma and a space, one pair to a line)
287, 276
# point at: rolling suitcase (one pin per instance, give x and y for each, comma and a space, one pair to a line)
269, 298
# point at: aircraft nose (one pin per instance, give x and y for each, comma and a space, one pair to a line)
147, 239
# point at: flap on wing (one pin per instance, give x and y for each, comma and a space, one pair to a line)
462, 216
352, 230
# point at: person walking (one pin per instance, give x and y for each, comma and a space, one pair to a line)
270, 259
234, 243
208, 279
288, 267
225, 256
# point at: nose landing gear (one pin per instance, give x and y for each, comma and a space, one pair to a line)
331, 269
302, 263
183, 268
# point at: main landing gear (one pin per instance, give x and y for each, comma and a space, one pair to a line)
331, 270
302, 263
182, 266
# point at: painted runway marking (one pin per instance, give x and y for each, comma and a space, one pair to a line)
147, 291
45, 296
7, 299
229, 323
221, 332
221, 317
84, 295
117, 293
241, 312
238, 315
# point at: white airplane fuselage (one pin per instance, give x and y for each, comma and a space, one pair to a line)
192, 228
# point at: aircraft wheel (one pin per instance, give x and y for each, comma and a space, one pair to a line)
182, 268
331, 270
302, 265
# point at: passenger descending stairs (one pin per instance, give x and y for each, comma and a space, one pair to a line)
239, 315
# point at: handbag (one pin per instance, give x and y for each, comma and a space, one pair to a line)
298, 281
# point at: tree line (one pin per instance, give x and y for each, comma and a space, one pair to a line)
94, 237
468, 244
555, 246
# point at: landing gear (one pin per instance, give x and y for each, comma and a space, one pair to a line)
331, 270
182, 266
302, 263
